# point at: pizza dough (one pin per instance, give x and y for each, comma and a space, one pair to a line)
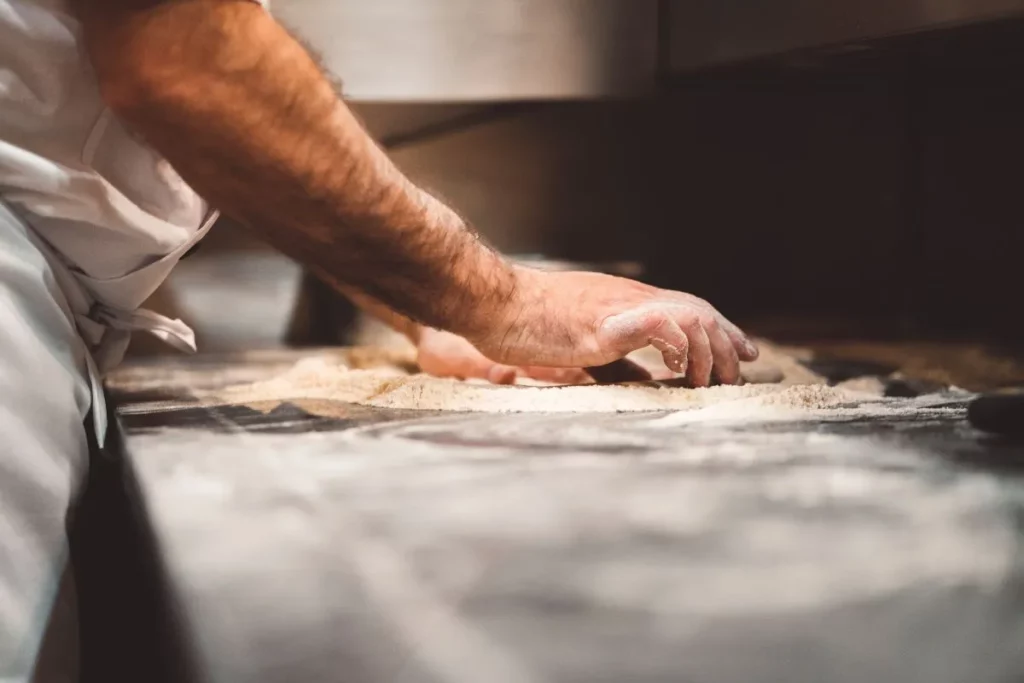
331, 378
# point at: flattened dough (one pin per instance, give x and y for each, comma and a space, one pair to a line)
329, 378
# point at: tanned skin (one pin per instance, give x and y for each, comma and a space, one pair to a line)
248, 118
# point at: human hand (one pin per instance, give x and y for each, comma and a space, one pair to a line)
576, 319
444, 354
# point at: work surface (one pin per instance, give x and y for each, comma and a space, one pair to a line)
402, 546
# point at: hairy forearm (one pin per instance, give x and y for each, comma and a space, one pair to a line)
247, 118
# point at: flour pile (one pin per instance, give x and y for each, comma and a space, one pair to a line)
326, 378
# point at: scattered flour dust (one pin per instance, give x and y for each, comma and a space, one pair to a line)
321, 378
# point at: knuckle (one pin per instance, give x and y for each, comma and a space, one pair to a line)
691, 326
709, 322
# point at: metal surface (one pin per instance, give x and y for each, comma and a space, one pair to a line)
430, 50
713, 32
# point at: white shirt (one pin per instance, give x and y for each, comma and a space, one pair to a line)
115, 216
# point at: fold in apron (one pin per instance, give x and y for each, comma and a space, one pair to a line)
110, 214
103, 321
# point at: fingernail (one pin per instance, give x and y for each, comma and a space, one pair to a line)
749, 347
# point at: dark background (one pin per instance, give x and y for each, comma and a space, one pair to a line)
870, 190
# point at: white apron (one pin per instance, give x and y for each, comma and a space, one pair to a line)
91, 222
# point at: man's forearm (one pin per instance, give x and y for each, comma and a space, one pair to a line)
246, 116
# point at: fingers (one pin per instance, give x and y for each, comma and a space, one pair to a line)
692, 340
745, 349
497, 373
723, 349
675, 345
622, 334
462, 369
702, 360
447, 355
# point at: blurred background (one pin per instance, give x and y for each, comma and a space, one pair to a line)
809, 167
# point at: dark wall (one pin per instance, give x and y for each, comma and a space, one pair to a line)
883, 188
970, 229
785, 196
875, 192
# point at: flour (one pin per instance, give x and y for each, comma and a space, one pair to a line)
326, 378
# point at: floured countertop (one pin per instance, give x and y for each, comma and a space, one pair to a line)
878, 539
782, 382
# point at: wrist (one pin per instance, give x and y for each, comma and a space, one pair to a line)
494, 318
483, 286
475, 280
